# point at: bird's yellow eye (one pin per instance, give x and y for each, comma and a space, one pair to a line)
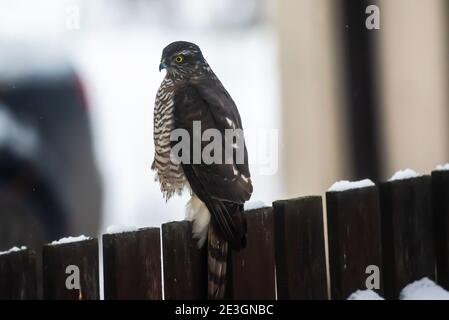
179, 59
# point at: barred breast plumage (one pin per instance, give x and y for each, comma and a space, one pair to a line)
170, 176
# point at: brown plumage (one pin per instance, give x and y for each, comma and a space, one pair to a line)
217, 260
190, 93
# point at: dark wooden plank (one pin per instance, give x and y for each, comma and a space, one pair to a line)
132, 265
253, 268
440, 204
56, 259
18, 275
361, 110
185, 266
299, 248
353, 222
407, 233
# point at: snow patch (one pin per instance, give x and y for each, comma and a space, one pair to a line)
404, 174
442, 167
13, 249
349, 185
252, 205
365, 295
70, 240
120, 229
424, 289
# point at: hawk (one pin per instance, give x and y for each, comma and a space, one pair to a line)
191, 93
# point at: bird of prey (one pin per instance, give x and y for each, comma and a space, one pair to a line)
189, 93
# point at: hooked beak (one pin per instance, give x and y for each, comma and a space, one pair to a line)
162, 65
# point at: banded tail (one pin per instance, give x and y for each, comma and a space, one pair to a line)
217, 261
219, 246
225, 229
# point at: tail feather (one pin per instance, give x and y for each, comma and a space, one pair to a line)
221, 242
217, 264
230, 222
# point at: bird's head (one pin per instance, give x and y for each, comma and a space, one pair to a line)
182, 59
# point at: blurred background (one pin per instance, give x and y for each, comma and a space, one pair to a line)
322, 99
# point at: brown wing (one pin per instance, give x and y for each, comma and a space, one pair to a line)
222, 187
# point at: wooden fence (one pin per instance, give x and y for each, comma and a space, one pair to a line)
401, 227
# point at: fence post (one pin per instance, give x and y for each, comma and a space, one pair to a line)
440, 204
18, 275
407, 233
61, 263
299, 247
132, 265
185, 266
253, 268
353, 221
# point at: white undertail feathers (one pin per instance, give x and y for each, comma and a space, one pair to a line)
199, 215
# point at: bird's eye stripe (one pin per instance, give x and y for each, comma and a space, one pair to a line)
185, 53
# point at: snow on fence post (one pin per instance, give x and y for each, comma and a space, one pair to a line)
18, 275
299, 248
440, 204
353, 222
132, 265
70, 270
185, 267
253, 268
407, 232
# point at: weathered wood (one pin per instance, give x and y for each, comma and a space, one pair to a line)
132, 265
18, 275
353, 220
253, 268
299, 249
440, 204
407, 233
185, 266
56, 259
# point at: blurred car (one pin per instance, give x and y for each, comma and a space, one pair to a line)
49, 184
